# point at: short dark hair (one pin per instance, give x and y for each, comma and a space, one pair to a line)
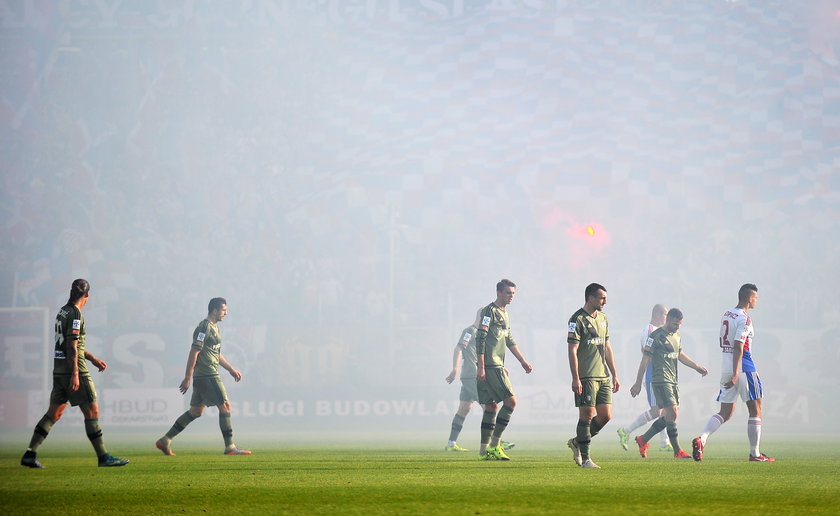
745, 291
675, 313
216, 304
591, 289
78, 290
504, 283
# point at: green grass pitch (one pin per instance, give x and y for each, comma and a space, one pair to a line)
419, 478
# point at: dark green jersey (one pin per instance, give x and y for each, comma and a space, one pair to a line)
208, 340
663, 348
467, 346
69, 328
591, 333
493, 336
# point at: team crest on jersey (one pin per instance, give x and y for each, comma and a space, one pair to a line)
200, 337
77, 324
572, 327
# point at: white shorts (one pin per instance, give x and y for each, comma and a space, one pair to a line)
748, 388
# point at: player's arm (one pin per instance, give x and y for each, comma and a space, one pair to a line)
685, 359
737, 355
640, 374
480, 338
573, 340
518, 354
611, 365
229, 368
191, 359
73, 357
99, 364
456, 361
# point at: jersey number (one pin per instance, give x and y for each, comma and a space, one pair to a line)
724, 342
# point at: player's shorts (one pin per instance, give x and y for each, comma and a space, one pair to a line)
667, 395
208, 391
469, 390
748, 388
61, 392
596, 391
651, 399
496, 387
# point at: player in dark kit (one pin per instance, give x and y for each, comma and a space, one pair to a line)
594, 378
663, 349
72, 381
203, 363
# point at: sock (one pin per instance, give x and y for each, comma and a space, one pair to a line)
180, 423
42, 429
227, 429
457, 425
664, 438
488, 423
502, 421
654, 429
711, 426
594, 427
754, 433
640, 420
583, 438
671, 430
94, 433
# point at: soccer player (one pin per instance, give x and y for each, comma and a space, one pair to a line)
71, 380
739, 376
492, 378
590, 356
663, 350
657, 319
203, 368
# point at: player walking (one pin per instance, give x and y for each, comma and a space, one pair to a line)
465, 348
739, 376
203, 368
492, 377
72, 381
657, 319
663, 350
590, 356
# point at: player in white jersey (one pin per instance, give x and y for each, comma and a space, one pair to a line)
657, 319
739, 376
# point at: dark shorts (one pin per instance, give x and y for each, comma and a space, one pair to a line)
61, 392
208, 391
496, 387
596, 391
469, 390
667, 395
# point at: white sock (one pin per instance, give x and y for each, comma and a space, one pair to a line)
640, 420
663, 438
754, 433
713, 424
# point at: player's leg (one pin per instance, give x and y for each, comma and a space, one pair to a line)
671, 414
94, 433
603, 407
42, 430
488, 424
458, 423
195, 411
583, 436
754, 395
226, 427
502, 421
642, 419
